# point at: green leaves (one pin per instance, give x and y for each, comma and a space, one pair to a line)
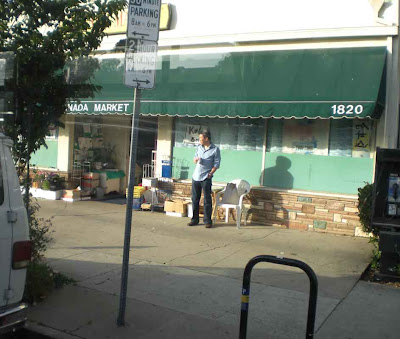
365, 207
45, 36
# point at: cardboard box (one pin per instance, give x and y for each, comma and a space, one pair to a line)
175, 214
72, 194
146, 206
177, 206
169, 206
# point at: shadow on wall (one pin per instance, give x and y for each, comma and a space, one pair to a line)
181, 168
279, 175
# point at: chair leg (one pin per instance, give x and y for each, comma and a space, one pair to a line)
238, 216
226, 214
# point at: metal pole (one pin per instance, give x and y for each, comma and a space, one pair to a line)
128, 217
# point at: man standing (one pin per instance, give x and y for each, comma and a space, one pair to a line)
207, 159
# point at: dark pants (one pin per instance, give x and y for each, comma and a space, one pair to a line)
197, 187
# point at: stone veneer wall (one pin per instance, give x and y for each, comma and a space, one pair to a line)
329, 213
306, 211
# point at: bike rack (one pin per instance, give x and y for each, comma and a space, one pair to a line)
312, 302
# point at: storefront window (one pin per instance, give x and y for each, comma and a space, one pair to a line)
227, 134
340, 138
344, 137
89, 144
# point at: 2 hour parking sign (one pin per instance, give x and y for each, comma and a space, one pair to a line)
140, 63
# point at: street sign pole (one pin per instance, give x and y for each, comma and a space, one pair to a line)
128, 216
140, 63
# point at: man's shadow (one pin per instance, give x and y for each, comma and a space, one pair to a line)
278, 176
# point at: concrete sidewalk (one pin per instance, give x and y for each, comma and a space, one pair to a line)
186, 281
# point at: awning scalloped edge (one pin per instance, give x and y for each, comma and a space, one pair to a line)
215, 116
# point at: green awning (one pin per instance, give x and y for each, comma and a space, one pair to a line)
313, 83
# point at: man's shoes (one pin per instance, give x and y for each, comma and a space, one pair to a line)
193, 223
208, 225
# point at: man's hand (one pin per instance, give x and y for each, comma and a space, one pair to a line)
209, 175
196, 159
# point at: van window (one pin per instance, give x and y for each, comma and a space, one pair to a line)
1, 186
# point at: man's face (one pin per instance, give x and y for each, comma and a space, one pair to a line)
203, 140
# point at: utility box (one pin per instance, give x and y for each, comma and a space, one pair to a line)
386, 192
389, 244
385, 214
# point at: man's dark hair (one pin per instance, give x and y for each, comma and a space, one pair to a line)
206, 133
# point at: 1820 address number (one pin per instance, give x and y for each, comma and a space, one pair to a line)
347, 109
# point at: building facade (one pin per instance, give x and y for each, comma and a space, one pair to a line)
297, 95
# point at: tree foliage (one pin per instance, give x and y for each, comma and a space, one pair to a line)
47, 38
365, 208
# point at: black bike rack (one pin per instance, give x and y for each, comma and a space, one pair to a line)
312, 302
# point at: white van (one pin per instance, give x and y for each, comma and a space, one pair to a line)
15, 247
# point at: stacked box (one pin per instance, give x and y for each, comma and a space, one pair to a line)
176, 208
138, 191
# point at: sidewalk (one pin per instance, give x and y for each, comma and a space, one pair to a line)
186, 281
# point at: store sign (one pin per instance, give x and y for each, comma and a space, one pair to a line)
99, 107
140, 63
144, 19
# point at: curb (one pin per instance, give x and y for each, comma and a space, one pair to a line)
48, 331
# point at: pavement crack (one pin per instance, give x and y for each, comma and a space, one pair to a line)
193, 254
219, 247
227, 256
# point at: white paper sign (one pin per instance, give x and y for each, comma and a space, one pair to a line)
192, 133
140, 63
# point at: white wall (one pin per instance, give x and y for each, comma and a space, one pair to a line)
164, 142
66, 144
209, 17
196, 21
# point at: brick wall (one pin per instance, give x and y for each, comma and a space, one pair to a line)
298, 210
293, 210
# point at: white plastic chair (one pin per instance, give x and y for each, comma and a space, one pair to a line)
232, 198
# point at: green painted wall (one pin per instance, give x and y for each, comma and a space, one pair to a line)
293, 171
234, 165
46, 157
317, 173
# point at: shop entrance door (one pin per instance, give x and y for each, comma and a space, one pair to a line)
147, 144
